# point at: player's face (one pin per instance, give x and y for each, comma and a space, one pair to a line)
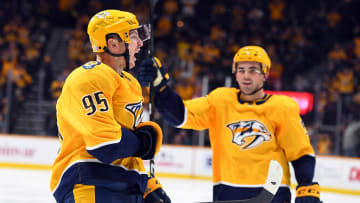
249, 76
134, 47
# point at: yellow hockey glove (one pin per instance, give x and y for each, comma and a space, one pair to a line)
308, 193
154, 192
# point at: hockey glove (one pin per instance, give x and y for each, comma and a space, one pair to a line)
150, 135
308, 193
151, 70
154, 192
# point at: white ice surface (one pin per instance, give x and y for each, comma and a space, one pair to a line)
29, 186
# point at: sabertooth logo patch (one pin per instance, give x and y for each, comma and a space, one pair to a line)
249, 134
137, 111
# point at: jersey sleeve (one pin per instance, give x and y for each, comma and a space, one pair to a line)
304, 169
291, 133
190, 114
171, 106
199, 112
92, 115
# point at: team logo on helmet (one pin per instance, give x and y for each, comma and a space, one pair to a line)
136, 110
249, 134
102, 15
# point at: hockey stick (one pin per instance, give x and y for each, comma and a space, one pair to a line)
151, 91
270, 188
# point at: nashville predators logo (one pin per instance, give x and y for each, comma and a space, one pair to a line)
249, 134
137, 111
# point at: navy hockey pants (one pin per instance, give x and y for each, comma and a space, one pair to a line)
98, 194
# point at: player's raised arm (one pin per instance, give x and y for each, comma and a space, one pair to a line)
169, 104
191, 114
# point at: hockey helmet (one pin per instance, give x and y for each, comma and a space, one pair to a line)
112, 22
255, 54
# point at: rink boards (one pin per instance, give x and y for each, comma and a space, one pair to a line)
335, 174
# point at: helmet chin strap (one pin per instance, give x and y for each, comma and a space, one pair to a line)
125, 54
254, 92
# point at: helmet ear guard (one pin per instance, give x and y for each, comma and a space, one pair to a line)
254, 54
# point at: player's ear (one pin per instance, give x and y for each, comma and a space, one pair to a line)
115, 46
112, 42
266, 76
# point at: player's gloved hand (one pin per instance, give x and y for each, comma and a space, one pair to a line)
308, 193
150, 135
154, 193
151, 70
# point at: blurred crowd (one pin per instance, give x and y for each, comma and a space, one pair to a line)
314, 47
24, 33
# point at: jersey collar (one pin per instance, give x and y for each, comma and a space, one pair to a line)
255, 102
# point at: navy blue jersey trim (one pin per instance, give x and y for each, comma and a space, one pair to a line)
127, 147
256, 102
170, 106
89, 173
304, 169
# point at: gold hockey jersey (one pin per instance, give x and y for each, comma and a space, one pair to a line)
94, 108
245, 136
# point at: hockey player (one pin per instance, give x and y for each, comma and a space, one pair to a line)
99, 113
247, 129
